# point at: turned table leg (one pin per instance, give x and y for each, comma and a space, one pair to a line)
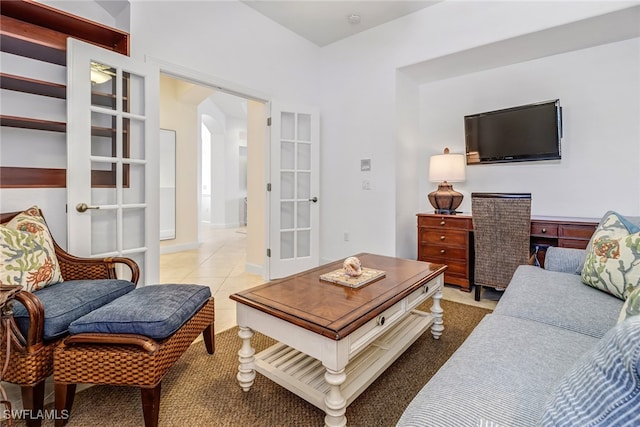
334, 402
246, 371
436, 311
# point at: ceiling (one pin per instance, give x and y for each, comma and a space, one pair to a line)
322, 22
326, 21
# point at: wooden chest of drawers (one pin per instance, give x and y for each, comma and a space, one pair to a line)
445, 239
448, 239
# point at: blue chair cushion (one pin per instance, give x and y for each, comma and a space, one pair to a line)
156, 311
67, 301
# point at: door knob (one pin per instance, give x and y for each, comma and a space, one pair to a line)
83, 207
314, 200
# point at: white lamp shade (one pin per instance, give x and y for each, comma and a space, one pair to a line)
447, 167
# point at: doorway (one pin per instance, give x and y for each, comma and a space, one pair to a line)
210, 129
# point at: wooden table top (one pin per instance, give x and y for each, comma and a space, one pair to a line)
335, 310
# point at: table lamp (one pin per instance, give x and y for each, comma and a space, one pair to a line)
445, 168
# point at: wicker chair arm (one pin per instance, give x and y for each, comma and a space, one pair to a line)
78, 268
36, 320
146, 343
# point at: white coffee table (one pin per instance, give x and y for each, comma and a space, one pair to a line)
334, 341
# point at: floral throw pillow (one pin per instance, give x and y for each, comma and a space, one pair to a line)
612, 263
28, 255
631, 306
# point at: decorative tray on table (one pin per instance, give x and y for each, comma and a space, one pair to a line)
341, 278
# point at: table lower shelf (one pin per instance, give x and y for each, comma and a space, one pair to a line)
304, 376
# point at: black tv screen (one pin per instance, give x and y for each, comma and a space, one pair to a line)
524, 133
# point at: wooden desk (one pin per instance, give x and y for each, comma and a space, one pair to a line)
448, 239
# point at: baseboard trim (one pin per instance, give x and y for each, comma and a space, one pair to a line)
179, 248
254, 269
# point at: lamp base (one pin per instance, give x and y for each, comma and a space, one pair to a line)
445, 199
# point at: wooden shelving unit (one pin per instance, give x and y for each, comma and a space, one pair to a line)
28, 123
37, 31
36, 87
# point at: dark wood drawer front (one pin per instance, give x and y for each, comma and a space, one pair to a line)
439, 251
544, 229
576, 231
444, 222
454, 268
443, 237
573, 243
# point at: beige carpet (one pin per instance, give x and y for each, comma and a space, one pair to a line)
201, 389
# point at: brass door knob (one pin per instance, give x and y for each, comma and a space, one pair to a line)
83, 207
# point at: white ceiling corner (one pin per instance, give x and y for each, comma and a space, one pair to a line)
325, 21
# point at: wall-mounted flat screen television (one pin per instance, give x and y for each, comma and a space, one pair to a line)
518, 134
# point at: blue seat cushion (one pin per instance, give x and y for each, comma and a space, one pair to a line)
67, 301
156, 311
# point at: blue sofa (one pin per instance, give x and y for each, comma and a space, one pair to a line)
521, 362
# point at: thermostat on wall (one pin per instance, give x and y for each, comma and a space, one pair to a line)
365, 165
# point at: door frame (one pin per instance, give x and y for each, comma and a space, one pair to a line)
196, 77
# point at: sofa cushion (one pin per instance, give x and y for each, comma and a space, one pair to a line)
153, 311
28, 253
67, 301
502, 374
603, 388
631, 306
611, 263
564, 260
559, 299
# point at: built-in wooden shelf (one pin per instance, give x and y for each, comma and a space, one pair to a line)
34, 30
35, 14
20, 177
33, 86
103, 99
30, 123
25, 39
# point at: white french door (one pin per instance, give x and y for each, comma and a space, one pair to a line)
294, 196
112, 157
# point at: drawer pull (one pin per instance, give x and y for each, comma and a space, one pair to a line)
442, 222
442, 251
443, 237
425, 289
544, 230
380, 320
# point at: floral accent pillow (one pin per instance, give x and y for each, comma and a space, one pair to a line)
631, 306
612, 263
28, 255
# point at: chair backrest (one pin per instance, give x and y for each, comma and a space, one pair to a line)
501, 228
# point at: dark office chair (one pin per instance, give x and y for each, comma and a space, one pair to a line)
501, 229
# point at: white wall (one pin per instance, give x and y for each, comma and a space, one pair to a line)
229, 41
363, 93
598, 89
